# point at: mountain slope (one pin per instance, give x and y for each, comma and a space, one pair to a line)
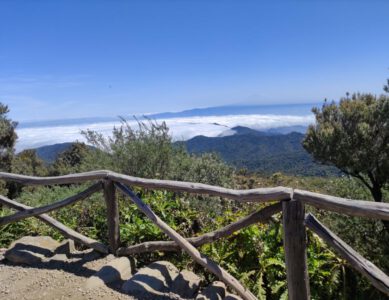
265, 152
261, 152
49, 153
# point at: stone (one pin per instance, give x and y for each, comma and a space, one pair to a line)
117, 269
232, 297
66, 247
186, 284
215, 291
151, 281
31, 249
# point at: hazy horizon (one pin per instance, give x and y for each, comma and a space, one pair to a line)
212, 121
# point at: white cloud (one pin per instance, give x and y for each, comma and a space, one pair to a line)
180, 128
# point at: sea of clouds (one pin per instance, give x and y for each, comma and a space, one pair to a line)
180, 128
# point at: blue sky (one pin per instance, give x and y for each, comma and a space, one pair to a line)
68, 59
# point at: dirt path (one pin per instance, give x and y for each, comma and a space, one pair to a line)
53, 281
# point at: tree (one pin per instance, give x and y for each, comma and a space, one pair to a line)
70, 160
7, 139
146, 150
354, 136
27, 162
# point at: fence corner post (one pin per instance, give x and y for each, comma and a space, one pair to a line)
112, 215
295, 245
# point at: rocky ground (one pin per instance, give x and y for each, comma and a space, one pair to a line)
54, 280
41, 268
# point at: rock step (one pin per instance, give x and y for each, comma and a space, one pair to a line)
116, 270
162, 280
215, 291
158, 280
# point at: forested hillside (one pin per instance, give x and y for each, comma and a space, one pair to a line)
262, 152
49, 153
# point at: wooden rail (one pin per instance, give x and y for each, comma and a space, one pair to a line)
290, 202
66, 231
47, 208
378, 278
262, 216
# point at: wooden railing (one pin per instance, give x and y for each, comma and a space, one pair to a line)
290, 202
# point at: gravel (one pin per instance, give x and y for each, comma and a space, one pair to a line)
54, 280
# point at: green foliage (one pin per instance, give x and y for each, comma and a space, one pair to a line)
148, 152
353, 136
28, 163
70, 160
7, 139
87, 217
144, 152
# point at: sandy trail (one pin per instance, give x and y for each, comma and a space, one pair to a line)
53, 281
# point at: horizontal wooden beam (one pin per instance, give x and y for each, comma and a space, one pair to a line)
254, 195
66, 231
261, 216
341, 205
358, 208
50, 207
204, 261
64, 179
377, 278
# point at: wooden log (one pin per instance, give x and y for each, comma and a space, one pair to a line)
112, 216
66, 231
377, 278
255, 195
261, 216
345, 206
50, 207
187, 247
64, 179
295, 245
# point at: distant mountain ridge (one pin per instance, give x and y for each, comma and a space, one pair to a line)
272, 109
275, 109
267, 152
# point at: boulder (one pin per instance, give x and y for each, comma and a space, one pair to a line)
117, 269
186, 284
215, 291
31, 249
151, 281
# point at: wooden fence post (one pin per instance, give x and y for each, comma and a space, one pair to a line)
295, 245
112, 216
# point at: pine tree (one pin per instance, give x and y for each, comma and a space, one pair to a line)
8, 139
